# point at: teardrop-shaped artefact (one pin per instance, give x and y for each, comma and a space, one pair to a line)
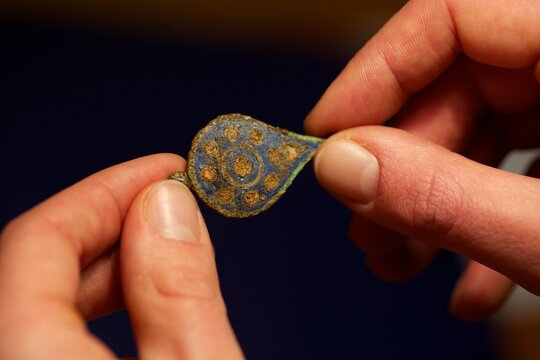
240, 166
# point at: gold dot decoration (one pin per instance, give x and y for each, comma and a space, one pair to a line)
291, 152
242, 166
271, 182
231, 133
285, 154
225, 195
273, 155
252, 197
256, 136
208, 173
211, 148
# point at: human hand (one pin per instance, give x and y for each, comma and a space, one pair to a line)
60, 265
457, 76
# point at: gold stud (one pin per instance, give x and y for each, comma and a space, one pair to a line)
211, 148
256, 136
252, 197
271, 182
291, 152
208, 173
231, 133
242, 166
225, 195
273, 156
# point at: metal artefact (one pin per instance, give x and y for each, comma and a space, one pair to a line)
240, 166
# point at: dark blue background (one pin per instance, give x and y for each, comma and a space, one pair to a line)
72, 103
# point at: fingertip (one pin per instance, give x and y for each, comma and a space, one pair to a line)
402, 263
172, 157
310, 124
470, 305
169, 278
172, 211
479, 293
347, 170
318, 122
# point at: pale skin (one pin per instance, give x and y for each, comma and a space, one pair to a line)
441, 66
458, 76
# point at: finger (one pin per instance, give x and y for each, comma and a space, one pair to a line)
415, 47
390, 255
447, 111
402, 263
43, 250
170, 281
100, 289
444, 113
371, 238
429, 193
506, 91
479, 292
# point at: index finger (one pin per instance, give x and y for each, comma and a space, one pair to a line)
43, 250
416, 46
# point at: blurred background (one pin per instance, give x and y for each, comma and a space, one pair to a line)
85, 85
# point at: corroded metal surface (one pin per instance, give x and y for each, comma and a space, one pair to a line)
240, 166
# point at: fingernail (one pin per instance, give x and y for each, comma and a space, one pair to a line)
348, 170
173, 212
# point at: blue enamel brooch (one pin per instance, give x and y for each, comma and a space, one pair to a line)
240, 166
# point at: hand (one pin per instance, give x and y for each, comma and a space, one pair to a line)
60, 265
457, 76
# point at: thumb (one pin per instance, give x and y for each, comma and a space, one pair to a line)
428, 193
170, 281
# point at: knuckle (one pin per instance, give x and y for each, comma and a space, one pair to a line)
13, 231
435, 206
187, 286
11, 228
